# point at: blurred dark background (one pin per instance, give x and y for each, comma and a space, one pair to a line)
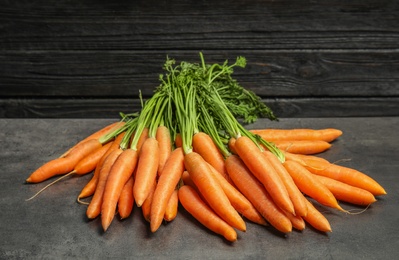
89, 59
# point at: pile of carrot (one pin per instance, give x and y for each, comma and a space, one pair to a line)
188, 147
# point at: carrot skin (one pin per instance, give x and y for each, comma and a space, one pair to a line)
327, 134
126, 199
309, 185
347, 175
119, 174
169, 178
96, 135
192, 202
89, 163
316, 219
296, 196
211, 190
256, 193
90, 187
147, 169
172, 207
165, 146
204, 145
94, 208
347, 193
65, 164
146, 206
260, 166
238, 200
303, 146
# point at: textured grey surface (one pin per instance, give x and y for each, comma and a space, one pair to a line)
53, 226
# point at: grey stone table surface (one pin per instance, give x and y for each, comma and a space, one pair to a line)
54, 226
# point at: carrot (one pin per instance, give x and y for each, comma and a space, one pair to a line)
143, 137
327, 134
347, 175
96, 135
296, 196
178, 140
256, 193
172, 207
238, 200
192, 202
65, 164
147, 168
305, 159
170, 176
316, 219
204, 145
310, 185
120, 173
165, 146
297, 221
303, 146
231, 144
89, 163
260, 166
90, 187
126, 200
94, 208
146, 206
210, 188
347, 193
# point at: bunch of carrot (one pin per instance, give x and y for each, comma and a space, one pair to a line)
186, 146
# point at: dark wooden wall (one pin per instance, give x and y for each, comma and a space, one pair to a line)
78, 58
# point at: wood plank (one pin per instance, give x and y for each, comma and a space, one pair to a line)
283, 107
268, 74
183, 25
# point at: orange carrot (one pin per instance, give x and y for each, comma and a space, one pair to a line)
65, 164
89, 162
327, 134
147, 168
260, 166
165, 146
143, 137
96, 135
347, 175
231, 145
90, 187
178, 140
347, 193
146, 206
204, 145
120, 173
238, 200
297, 221
94, 208
305, 159
256, 193
303, 146
192, 202
170, 176
296, 196
316, 219
209, 187
310, 185
172, 207
126, 200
